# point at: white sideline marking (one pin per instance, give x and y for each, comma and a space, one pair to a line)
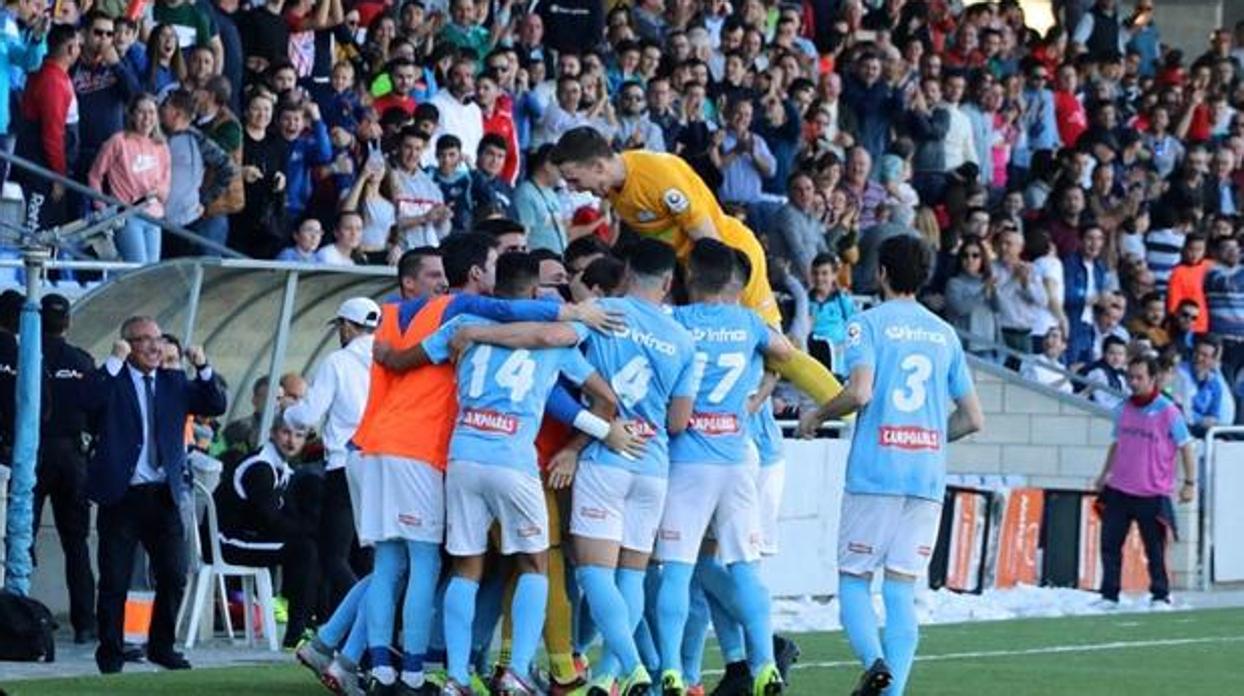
1047, 650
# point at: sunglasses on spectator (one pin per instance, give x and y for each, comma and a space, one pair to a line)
1189, 316
105, 33
970, 255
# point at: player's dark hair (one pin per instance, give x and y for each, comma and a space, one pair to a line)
589, 245
742, 267
517, 273
711, 265
462, 252
495, 227
651, 258
448, 141
604, 274
410, 262
581, 145
906, 260
545, 254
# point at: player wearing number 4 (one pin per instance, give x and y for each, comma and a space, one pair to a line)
660, 196
713, 470
617, 499
492, 472
906, 366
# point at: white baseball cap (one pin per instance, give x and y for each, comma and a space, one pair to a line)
360, 310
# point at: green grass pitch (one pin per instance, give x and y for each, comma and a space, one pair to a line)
1185, 653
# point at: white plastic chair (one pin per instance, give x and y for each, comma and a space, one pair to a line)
254, 580
202, 494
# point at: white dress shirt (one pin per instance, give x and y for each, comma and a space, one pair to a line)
463, 120
338, 389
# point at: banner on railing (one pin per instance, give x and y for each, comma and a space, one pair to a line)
1228, 514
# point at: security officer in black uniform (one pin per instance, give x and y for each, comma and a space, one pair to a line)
61, 474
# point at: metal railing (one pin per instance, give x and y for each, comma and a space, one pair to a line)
137, 211
1082, 386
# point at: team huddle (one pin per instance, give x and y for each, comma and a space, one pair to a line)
496, 421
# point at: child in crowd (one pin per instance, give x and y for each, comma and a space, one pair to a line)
454, 180
1109, 371
830, 308
1047, 368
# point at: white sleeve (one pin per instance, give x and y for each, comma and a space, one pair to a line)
311, 409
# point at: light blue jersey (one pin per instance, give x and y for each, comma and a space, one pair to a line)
649, 362
501, 395
899, 446
729, 341
767, 435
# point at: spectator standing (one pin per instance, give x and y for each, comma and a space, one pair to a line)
225, 16
1021, 294
336, 397
864, 272
780, 126
498, 121
1208, 399
1040, 252
265, 38
61, 473
1138, 477
307, 146
346, 239
1150, 321
1224, 295
1109, 370
538, 206
137, 476
403, 74
460, 115
217, 121
1038, 125
193, 23
105, 86
1086, 279
971, 295
797, 233
135, 165
259, 230
488, 186
743, 158
166, 66
635, 130
423, 219
1164, 247
21, 51
1047, 368
830, 308
1187, 280
864, 194
960, 144
928, 121
49, 134
306, 242
201, 170
874, 103
1100, 32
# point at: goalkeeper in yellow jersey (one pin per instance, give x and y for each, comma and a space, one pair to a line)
659, 195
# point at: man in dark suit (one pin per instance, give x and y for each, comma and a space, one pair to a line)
137, 474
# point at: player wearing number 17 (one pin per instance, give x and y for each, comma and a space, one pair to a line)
906, 367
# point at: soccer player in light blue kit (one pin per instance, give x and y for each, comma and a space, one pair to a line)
617, 501
713, 467
492, 472
906, 368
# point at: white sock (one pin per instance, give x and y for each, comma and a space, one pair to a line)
413, 679
384, 674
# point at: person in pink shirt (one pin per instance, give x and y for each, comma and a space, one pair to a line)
133, 165
1138, 478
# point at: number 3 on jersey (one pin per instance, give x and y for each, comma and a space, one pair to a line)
631, 382
917, 368
516, 373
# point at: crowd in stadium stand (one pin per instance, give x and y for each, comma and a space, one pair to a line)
1083, 187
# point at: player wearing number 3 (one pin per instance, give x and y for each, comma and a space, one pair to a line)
906, 366
660, 196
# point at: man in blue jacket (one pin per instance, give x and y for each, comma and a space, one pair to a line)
104, 84
308, 148
137, 475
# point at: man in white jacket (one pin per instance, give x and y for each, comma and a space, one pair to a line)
337, 397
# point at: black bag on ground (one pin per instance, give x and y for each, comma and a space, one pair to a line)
26, 630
